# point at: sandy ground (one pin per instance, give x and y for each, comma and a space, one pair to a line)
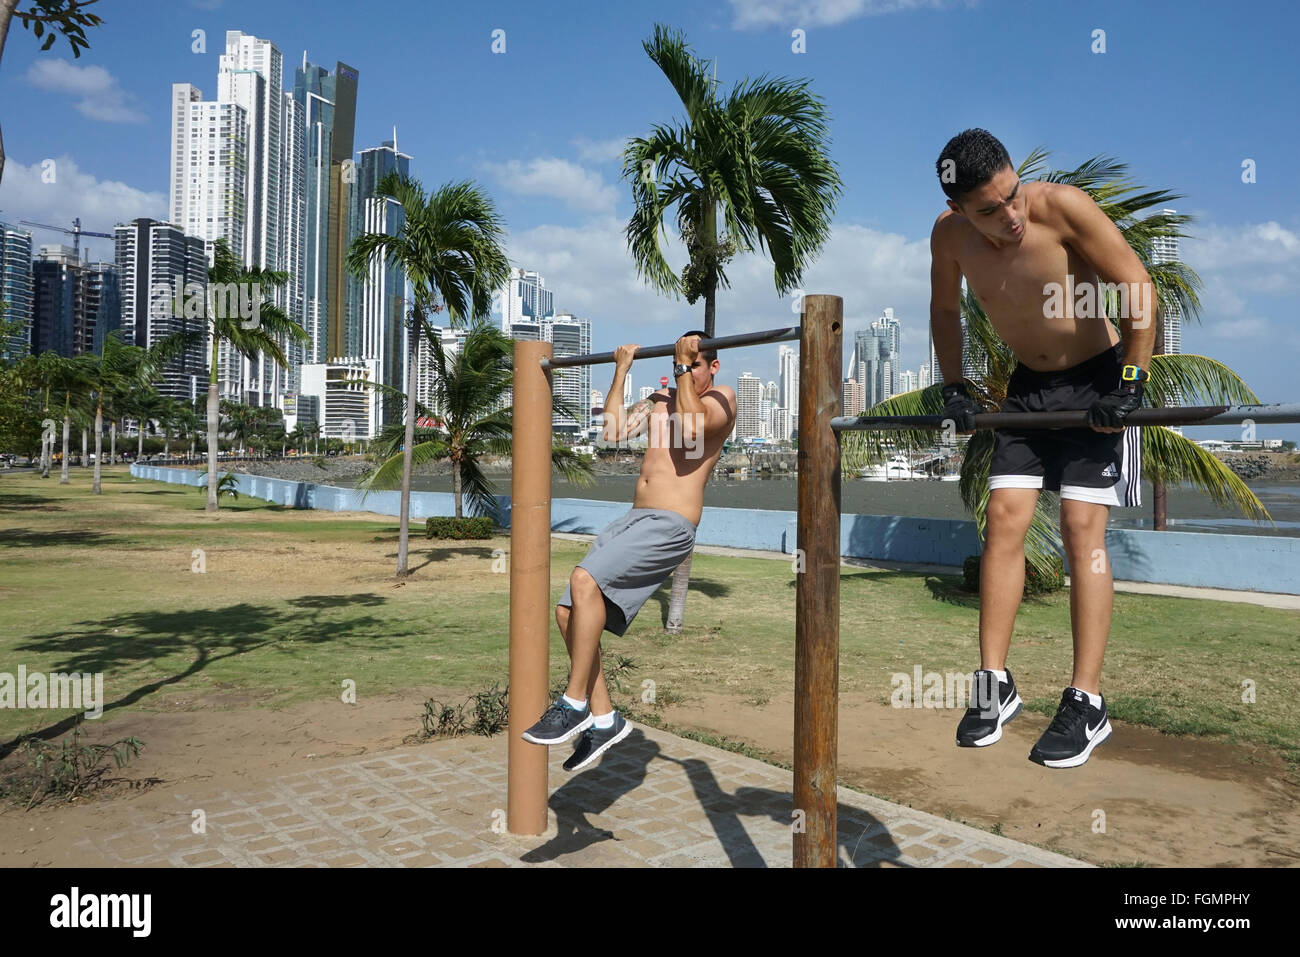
1161, 800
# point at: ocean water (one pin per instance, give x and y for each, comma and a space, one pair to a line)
1188, 509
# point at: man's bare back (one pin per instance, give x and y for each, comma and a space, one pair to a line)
1010, 280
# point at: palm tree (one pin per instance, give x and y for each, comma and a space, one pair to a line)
467, 392
759, 158
75, 385
1166, 455
273, 327
449, 247
117, 369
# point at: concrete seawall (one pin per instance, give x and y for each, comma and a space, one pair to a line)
1238, 562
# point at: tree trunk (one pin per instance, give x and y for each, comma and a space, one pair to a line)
677, 603
404, 533
682, 576
47, 451
456, 487
140, 448
1159, 502
112, 442
85, 461
63, 471
212, 447
99, 448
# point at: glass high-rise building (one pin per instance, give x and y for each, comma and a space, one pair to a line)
749, 395
16, 287
378, 309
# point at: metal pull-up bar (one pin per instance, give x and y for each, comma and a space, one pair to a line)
788, 334
1181, 415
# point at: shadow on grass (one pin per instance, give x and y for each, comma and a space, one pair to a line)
30, 538
950, 592
861, 837
208, 635
705, 586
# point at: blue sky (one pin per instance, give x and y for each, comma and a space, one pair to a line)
1183, 93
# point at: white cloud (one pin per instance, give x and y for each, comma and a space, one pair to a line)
576, 187
101, 204
754, 14
99, 96
600, 151
592, 275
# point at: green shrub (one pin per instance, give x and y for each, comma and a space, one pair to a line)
1035, 583
458, 528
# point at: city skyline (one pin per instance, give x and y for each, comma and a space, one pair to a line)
558, 185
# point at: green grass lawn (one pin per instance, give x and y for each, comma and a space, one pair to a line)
291, 604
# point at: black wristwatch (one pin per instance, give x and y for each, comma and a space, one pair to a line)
679, 368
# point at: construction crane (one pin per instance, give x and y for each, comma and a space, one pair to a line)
76, 232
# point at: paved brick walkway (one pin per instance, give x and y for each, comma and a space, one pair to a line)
656, 800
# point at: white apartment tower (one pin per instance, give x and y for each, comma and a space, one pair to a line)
749, 394
525, 297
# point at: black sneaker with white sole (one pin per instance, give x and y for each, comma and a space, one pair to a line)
1077, 728
558, 724
982, 726
596, 741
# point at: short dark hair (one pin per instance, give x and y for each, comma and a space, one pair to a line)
708, 354
968, 161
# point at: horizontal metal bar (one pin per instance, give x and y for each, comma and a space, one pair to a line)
650, 352
1185, 415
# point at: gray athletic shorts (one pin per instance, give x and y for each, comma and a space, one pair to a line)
632, 557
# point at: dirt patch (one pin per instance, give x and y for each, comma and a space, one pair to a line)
1162, 800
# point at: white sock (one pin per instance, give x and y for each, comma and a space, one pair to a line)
1093, 699
603, 721
574, 704
1002, 674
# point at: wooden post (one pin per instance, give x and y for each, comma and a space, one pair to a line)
817, 592
530, 586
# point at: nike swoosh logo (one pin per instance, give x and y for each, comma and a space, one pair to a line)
1092, 732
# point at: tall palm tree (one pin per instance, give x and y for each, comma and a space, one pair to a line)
449, 247
1166, 455
273, 328
467, 390
759, 158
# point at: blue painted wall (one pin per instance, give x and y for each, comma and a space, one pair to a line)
1238, 562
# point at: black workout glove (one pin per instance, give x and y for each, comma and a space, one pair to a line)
1111, 409
960, 407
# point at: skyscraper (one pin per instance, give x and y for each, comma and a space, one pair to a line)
749, 392
1165, 250
152, 257
525, 296
16, 287
571, 336
379, 304
328, 104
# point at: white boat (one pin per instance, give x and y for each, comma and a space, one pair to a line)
896, 468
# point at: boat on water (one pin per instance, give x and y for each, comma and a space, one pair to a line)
893, 470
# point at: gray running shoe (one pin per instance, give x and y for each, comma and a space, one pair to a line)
558, 724
596, 741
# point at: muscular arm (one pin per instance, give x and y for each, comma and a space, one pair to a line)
1093, 235
623, 425
945, 305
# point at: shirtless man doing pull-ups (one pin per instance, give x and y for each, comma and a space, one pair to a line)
686, 427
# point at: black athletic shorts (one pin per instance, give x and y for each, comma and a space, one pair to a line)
1100, 467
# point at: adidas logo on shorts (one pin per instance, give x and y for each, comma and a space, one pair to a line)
1110, 471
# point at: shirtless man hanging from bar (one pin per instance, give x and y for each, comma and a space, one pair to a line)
633, 556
